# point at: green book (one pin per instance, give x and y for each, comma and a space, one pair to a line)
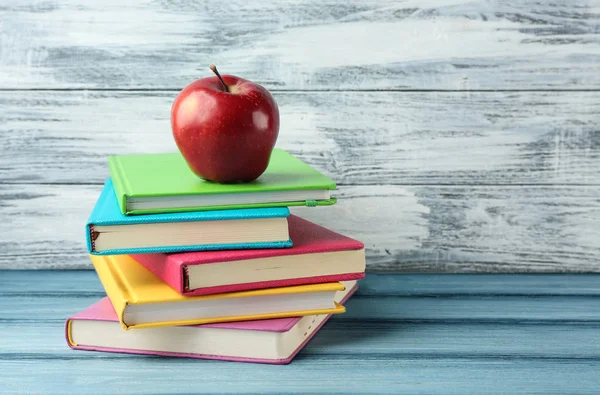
162, 183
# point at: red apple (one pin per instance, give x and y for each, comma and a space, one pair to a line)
225, 128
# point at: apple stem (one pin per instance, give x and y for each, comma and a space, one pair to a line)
214, 69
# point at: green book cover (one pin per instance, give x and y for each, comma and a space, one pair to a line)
159, 183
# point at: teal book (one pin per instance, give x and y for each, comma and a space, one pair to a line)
162, 183
110, 232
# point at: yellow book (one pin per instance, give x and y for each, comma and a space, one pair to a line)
142, 300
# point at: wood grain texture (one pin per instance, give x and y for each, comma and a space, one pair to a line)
472, 310
357, 138
464, 45
373, 375
448, 181
410, 229
395, 337
57, 283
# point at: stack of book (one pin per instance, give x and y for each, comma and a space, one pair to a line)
198, 269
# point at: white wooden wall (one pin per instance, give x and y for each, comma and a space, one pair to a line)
464, 135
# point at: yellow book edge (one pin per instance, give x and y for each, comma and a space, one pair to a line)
113, 271
338, 309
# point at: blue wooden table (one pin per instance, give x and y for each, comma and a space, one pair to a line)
452, 334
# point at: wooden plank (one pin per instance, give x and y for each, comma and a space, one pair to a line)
77, 283
358, 138
410, 229
456, 310
363, 339
327, 44
374, 375
383, 299
384, 344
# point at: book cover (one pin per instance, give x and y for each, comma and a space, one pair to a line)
160, 175
104, 311
127, 283
107, 212
308, 239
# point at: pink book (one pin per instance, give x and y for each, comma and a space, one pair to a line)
318, 255
275, 341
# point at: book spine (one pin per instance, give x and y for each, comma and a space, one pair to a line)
92, 235
116, 289
120, 182
68, 335
185, 273
120, 279
94, 219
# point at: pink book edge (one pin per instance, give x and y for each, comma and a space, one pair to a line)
275, 284
308, 238
204, 356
